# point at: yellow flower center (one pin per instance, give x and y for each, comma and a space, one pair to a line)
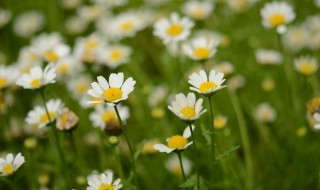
82, 88
174, 30
3, 82
188, 112
277, 19
108, 116
106, 187
202, 53
51, 56
44, 117
63, 68
177, 141
35, 83
113, 94
64, 118
7, 169
116, 55
314, 105
207, 86
126, 26
219, 122
197, 13
91, 44
306, 69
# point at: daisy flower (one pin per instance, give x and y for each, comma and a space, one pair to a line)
268, 57
186, 107
173, 29
79, 86
37, 78
220, 121
316, 118
86, 48
206, 85
198, 10
67, 120
114, 56
39, 117
200, 48
176, 142
5, 16
90, 13
8, 76
104, 115
103, 182
28, 23
68, 65
10, 164
277, 14
265, 113
306, 65
112, 91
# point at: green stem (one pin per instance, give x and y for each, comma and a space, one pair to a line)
54, 129
212, 139
73, 144
195, 154
181, 166
244, 137
118, 159
129, 145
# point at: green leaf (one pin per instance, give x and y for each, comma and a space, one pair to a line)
138, 152
192, 181
206, 134
226, 153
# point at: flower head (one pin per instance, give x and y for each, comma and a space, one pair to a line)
206, 85
265, 113
198, 10
306, 65
10, 164
114, 56
200, 48
8, 75
103, 181
186, 107
112, 91
37, 77
176, 142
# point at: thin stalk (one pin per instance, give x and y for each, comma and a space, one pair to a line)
118, 159
195, 154
129, 145
244, 137
212, 140
73, 144
54, 129
181, 166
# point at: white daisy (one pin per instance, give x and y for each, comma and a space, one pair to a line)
240, 5
39, 117
103, 182
200, 48
86, 48
8, 76
265, 113
268, 57
5, 16
316, 118
198, 10
90, 13
204, 84
173, 29
10, 164
306, 65
28, 23
105, 114
37, 78
277, 14
114, 56
112, 91
186, 107
78, 86
28, 57
176, 142
68, 65
75, 25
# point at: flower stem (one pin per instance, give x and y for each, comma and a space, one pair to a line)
195, 156
54, 129
129, 145
181, 166
212, 140
118, 159
73, 143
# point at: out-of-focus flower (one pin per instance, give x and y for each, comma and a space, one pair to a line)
198, 10
176, 142
173, 29
236, 82
10, 164
112, 91
157, 95
268, 57
28, 57
186, 107
268, 84
296, 38
206, 85
312, 25
104, 115
30, 143
213, 35
68, 65
5, 16
317, 3
240, 5
43, 179
110, 3
220, 121
306, 65
70, 4
67, 120
224, 67
8, 76
265, 113
200, 48
39, 117
37, 77
313, 106
78, 86
277, 15
173, 165
114, 56
302, 131
90, 13
86, 49
28, 23
156, 3
103, 181
148, 146
75, 25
